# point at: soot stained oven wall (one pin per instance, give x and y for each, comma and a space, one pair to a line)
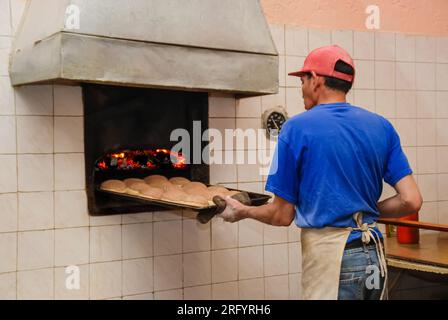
126, 118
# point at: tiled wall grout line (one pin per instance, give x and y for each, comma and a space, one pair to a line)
54, 215
17, 191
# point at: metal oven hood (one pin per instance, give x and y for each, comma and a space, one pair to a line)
194, 45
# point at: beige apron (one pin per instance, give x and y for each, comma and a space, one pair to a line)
322, 251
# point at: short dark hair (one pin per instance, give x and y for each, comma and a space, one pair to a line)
339, 84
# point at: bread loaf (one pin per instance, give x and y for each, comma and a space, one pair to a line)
113, 185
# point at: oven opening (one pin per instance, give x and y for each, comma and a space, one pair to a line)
128, 135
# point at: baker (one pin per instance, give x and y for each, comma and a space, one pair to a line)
327, 175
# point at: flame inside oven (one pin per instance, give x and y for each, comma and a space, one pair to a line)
141, 159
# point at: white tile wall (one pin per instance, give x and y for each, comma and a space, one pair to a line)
197, 269
5, 18
365, 74
169, 295
426, 160
252, 289
5, 48
34, 100
385, 46
167, 237
278, 35
105, 243
405, 76
277, 288
137, 240
70, 208
221, 106
7, 105
224, 265
250, 262
195, 236
34, 134
138, 276
225, 291
384, 75
8, 286
72, 179
8, 252
425, 76
296, 41
35, 172
425, 49
442, 77
250, 233
68, 101
105, 280
163, 254
364, 45
224, 235
71, 246
8, 173
275, 259
35, 250
167, 272
35, 284
318, 38
8, 214
406, 104
426, 104
385, 103
344, 39
405, 47
36, 211
198, 293
442, 50
8, 134
68, 134
62, 276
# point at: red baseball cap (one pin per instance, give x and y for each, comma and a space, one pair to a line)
323, 61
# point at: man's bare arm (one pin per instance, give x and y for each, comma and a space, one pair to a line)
408, 200
277, 213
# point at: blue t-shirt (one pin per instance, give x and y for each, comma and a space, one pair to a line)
330, 163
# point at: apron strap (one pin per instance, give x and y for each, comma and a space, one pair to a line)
369, 233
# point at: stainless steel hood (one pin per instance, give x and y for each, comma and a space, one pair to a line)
200, 45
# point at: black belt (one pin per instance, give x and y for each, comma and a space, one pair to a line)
359, 244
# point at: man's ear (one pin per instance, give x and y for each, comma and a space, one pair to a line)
316, 81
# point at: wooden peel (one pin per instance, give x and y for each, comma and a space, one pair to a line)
416, 224
204, 217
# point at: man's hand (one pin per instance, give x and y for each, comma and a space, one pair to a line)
277, 213
234, 211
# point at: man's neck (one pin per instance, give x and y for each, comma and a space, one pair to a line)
332, 97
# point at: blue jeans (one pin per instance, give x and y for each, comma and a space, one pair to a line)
358, 281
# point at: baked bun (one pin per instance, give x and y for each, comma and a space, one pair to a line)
155, 178
216, 191
136, 187
196, 188
179, 181
151, 192
174, 194
113, 185
164, 185
131, 181
197, 200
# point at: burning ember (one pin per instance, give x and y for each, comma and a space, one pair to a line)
141, 159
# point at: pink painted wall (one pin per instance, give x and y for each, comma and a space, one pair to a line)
428, 17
